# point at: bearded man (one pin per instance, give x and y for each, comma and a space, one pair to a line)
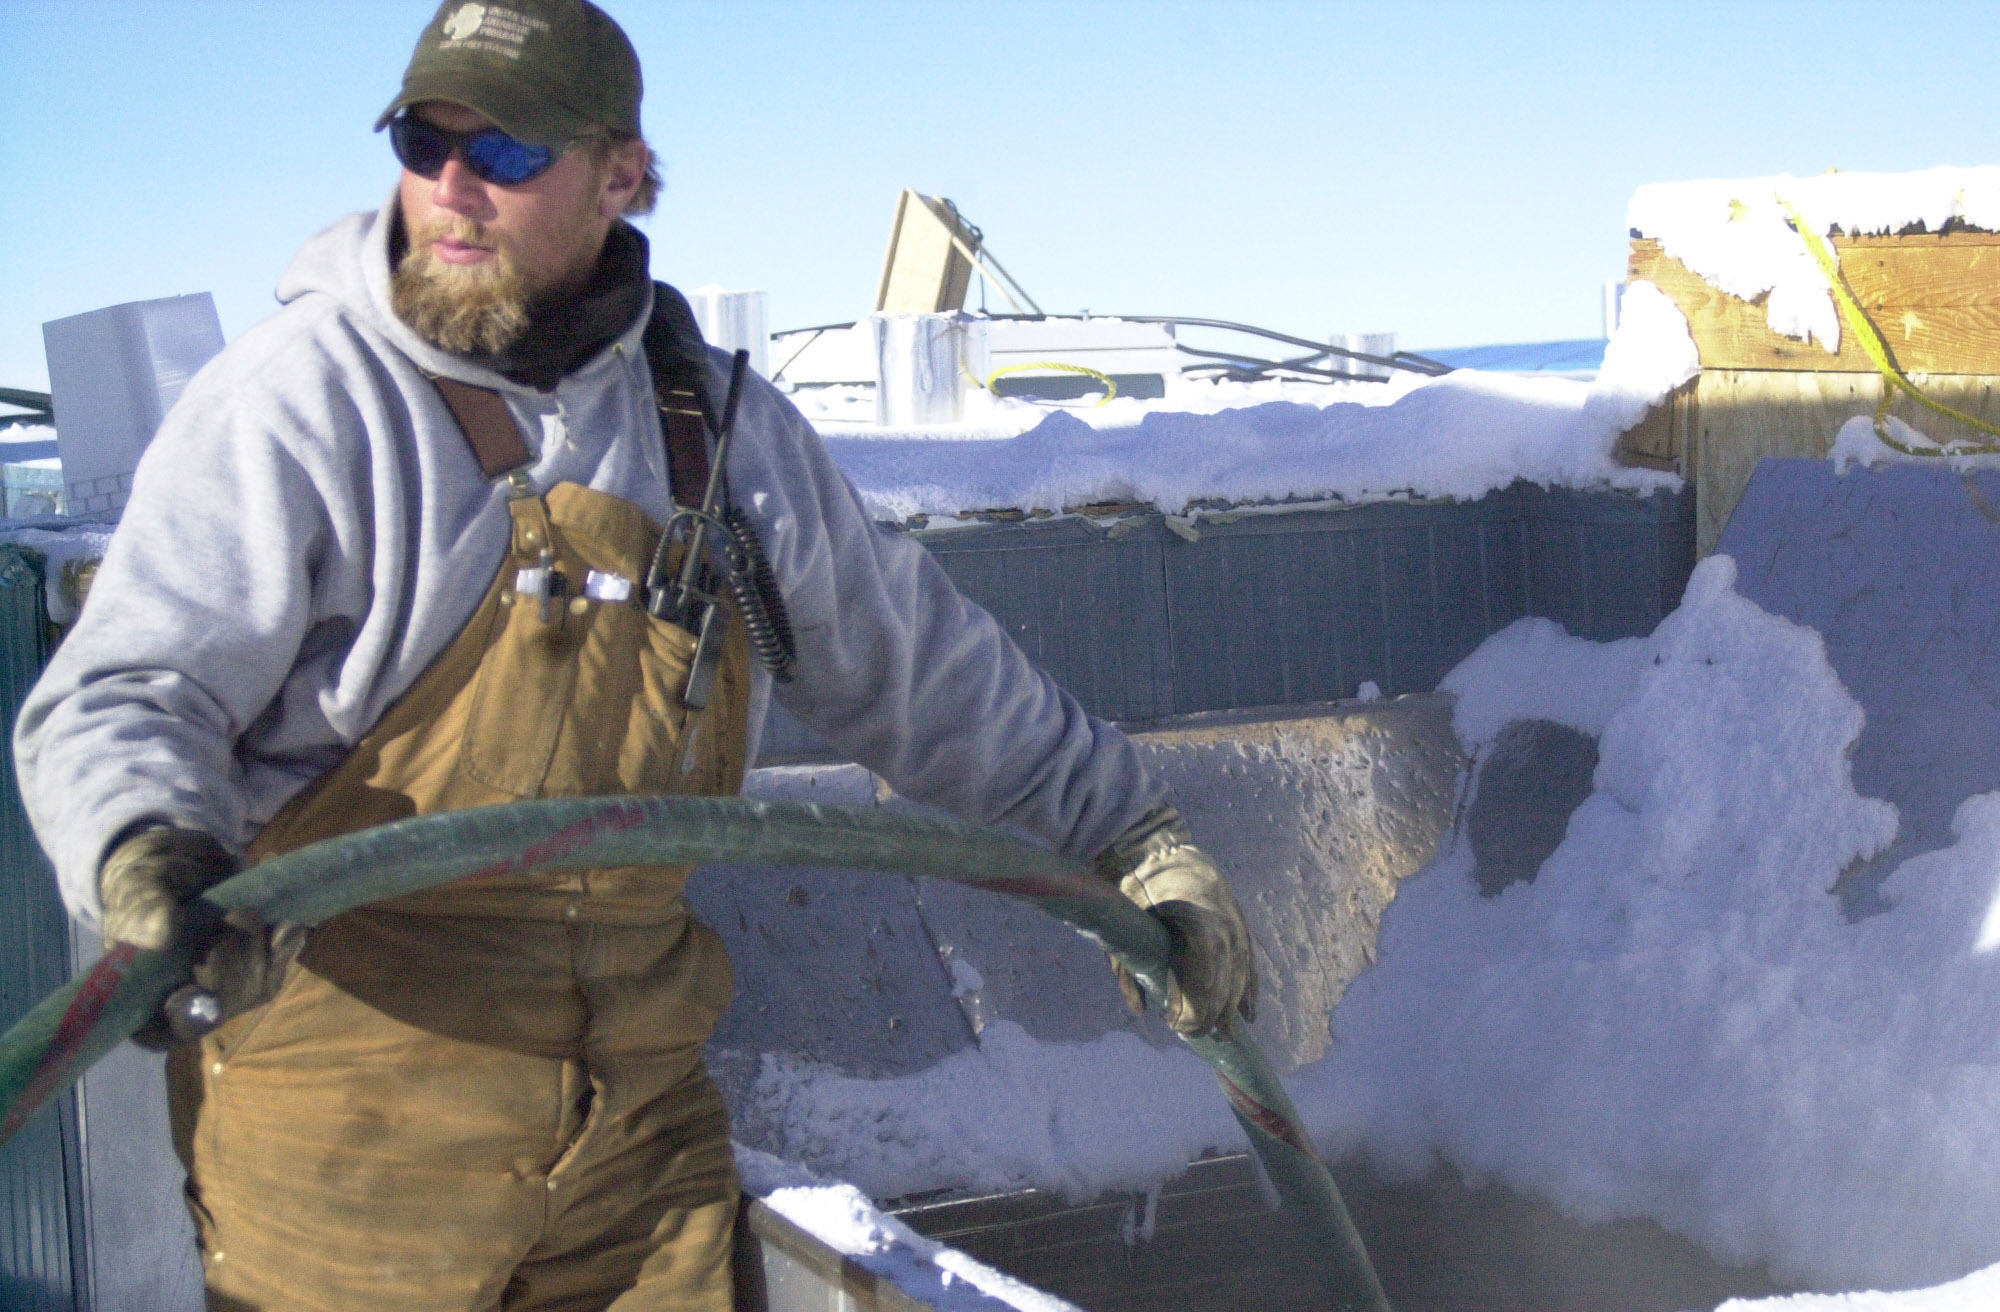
387, 557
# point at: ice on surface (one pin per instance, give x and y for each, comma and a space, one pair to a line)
1736, 233
1010, 1113
842, 1217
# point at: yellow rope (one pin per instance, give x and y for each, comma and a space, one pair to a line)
1110, 387
1877, 350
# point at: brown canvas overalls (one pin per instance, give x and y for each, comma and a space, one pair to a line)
492, 1096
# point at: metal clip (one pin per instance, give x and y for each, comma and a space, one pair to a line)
601, 586
714, 625
544, 580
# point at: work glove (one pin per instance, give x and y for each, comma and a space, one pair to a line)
1156, 864
150, 885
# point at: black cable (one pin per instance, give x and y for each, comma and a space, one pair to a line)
754, 587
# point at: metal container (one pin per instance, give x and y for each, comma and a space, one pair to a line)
114, 374
1382, 344
923, 365
733, 321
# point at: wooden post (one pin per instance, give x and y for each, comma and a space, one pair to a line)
1934, 297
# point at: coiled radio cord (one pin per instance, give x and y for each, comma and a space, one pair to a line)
754, 588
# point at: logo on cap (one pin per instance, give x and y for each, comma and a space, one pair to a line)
465, 22
493, 28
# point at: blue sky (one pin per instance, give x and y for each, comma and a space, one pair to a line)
1455, 172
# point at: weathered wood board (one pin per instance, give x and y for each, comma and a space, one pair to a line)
1935, 299
1735, 418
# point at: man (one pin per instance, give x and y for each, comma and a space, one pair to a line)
336, 599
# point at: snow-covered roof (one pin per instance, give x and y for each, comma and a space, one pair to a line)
1458, 436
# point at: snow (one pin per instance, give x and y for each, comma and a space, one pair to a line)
1858, 445
1978, 1292
1651, 354
61, 547
1459, 436
1081, 1119
1674, 1020
842, 1217
1736, 233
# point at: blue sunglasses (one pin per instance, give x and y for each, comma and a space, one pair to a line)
492, 155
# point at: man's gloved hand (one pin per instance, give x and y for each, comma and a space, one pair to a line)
1157, 865
148, 885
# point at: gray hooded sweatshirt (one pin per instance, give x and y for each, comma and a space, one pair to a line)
309, 530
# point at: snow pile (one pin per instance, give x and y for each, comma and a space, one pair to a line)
1978, 1292
1652, 353
841, 1217
1674, 1020
1459, 436
1857, 444
1737, 235
848, 409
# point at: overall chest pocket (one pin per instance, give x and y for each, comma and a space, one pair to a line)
584, 704
523, 695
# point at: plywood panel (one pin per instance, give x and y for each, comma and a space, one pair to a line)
924, 272
1935, 298
1741, 416
1660, 440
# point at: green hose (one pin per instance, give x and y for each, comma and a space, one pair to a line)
75, 1026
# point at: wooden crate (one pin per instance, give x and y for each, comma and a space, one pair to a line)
1936, 300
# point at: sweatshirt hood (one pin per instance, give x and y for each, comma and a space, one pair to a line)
349, 261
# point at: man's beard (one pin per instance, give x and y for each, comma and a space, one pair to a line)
469, 309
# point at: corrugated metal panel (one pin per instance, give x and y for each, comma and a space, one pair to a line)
1275, 609
41, 1219
1307, 605
1079, 601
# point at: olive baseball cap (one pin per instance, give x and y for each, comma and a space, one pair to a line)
546, 71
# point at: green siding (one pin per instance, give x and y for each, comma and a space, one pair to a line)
41, 1211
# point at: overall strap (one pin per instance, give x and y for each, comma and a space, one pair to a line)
490, 431
682, 388
678, 358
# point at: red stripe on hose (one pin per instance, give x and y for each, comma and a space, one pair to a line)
77, 1022
612, 819
1037, 886
1265, 1118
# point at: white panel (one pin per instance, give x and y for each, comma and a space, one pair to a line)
1382, 344
733, 321
922, 363
114, 373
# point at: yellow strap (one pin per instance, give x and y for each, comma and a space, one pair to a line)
1110, 388
1894, 379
